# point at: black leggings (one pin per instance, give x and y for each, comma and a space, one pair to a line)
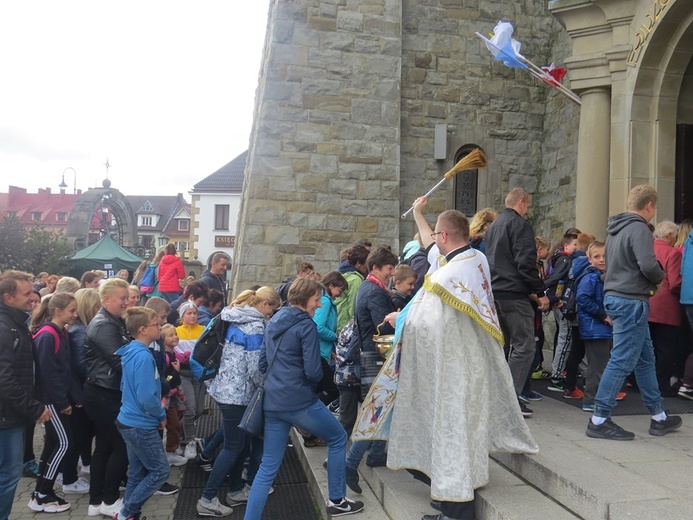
109, 463
82, 435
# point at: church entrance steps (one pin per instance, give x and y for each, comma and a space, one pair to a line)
600, 479
571, 477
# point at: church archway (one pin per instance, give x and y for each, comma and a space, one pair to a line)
101, 211
658, 146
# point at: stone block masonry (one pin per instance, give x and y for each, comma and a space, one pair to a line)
350, 92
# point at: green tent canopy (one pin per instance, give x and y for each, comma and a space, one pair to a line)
105, 255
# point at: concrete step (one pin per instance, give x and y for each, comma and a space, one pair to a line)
311, 460
506, 497
601, 479
571, 477
396, 495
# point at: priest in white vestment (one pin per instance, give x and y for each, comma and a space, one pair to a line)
447, 394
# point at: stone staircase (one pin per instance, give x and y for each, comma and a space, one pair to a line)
571, 477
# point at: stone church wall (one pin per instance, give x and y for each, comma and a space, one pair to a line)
349, 96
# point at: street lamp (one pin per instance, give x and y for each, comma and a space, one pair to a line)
63, 185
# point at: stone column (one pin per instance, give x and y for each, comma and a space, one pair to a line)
594, 150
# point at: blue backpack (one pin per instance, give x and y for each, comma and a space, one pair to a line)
148, 280
206, 355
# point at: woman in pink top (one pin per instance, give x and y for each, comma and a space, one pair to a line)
170, 274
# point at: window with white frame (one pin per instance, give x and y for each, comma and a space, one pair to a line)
221, 216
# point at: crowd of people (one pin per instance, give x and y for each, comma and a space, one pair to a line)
105, 364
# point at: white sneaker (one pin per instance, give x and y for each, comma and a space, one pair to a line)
175, 460
212, 508
180, 450
94, 510
78, 486
59, 478
85, 470
190, 451
110, 510
236, 498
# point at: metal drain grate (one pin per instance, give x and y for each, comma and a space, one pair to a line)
291, 499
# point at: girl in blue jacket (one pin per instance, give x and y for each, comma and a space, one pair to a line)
58, 390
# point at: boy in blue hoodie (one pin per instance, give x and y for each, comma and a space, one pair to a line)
141, 414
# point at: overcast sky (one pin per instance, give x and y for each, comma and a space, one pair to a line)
164, 89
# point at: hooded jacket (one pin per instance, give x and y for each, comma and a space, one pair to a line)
204, 315
632, 272
141, 400
290, 357
171, 271
326, 320
239, 371
345, 303
590, 305
214, 281
18, 406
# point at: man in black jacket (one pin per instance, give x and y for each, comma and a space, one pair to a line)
512, 258
215, 276
18, 406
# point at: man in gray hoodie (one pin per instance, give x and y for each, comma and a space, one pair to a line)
632, 276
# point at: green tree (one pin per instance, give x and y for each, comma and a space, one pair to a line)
47, 251
12, 241
33, 250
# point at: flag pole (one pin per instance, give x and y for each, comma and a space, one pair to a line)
537, 72
546, 77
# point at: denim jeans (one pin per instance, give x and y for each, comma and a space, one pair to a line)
234, 444
148, 467
358, 450
315, 419
213, 442
253, 452
632, 351
11, 454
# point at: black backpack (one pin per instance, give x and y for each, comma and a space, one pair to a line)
569, 298
206, 356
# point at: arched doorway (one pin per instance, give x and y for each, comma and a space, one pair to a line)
661, 113
466, 184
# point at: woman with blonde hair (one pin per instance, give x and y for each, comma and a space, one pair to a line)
685, 228
67, 284
478, 226
232, 389
106, 333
